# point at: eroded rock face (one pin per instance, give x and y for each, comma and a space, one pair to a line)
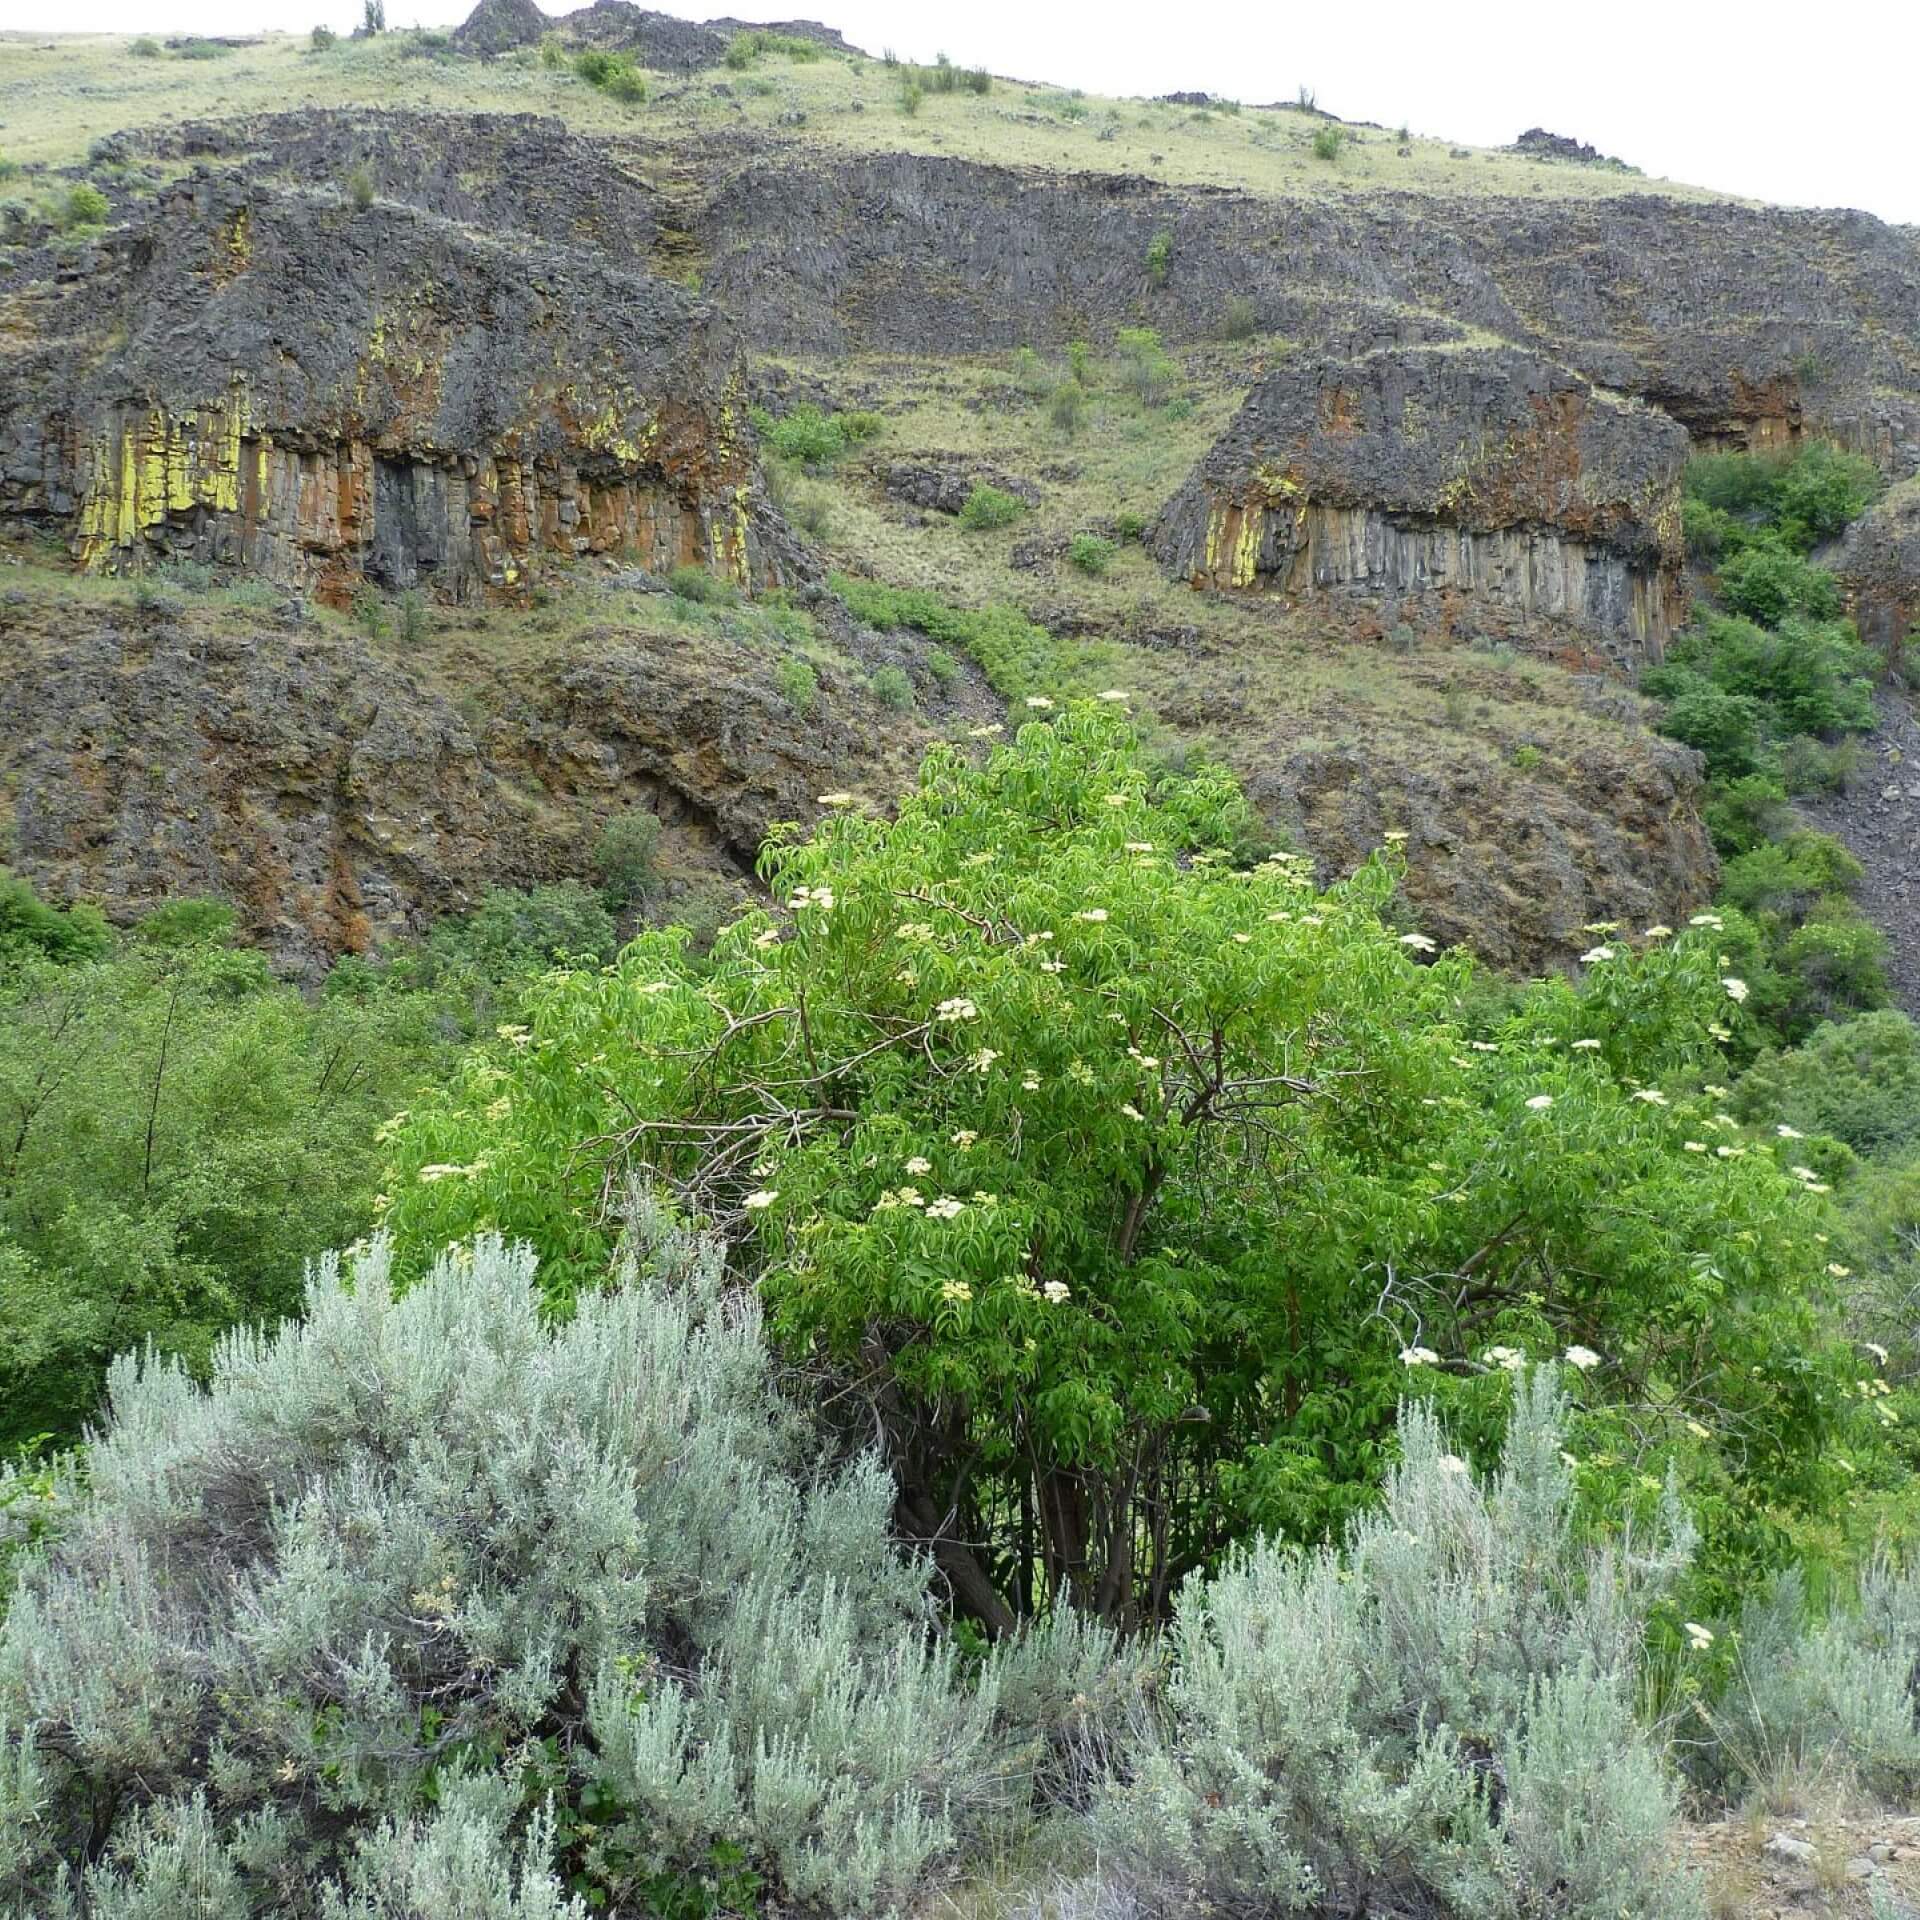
1408, 471
1879, 567
323, 394
339, 796
1751, 326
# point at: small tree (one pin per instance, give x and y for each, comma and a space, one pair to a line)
373, 17
1133, 1178
624, 856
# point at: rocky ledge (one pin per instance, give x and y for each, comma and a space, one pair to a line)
1420, 470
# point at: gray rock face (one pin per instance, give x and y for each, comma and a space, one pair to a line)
1748, 325
942, 482
499, 26
1483, 470
323, 394
1879, 567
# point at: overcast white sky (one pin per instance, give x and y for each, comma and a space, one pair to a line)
1810, 105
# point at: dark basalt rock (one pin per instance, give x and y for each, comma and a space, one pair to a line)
1488, 470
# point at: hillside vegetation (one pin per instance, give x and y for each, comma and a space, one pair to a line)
921, 998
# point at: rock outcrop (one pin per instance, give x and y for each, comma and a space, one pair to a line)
323, 394
1751, 326
1879, 567
1483, 471
341, 796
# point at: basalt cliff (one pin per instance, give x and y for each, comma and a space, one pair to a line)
1401, 524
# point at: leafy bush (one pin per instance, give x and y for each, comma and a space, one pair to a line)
512, 935
85, 206
988, 507
417, 1572
1129, 526
360, 189
1240, 321
1802, 499
1067, 407
1768, 582
1026, 1159
32, 930
1145, 366
796, 683
1438, 1721
701, 585
891, 687
747, 46
1016, 656
321, 39
1090, 553
813, 438
911, 95
614, 74
1327, 143
148, 48
625, 855
1858, 1080
180, 1133
1159, 255
1724, 726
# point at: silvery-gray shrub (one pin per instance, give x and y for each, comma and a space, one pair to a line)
298, 1619
1435, 1719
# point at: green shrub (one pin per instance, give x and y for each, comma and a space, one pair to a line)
1080, 361
145, 48
625, 857
813, 438
360, 189
321, 39
182, 1133
1805, 497
989, 507
418, 1573
1724, 726
1090, 553
200, 50
1144, 363
944, 668
86, 206
512, 935
748, 45
1067, 407
1743, 813
1327, 143
977, 80
891, 687
553, 52
1017, 657
1129, 526
796, 683
1240, 321
1858, 1080
373, 16
1327, 1719
1004, 1162
369, 611
413, 619
1159, 255
30, 929
702, 586
911, 95
1768, 583
614, 74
